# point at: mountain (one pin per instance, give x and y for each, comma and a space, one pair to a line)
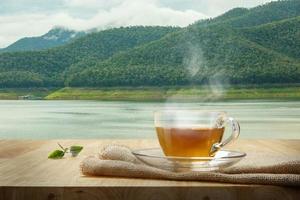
264, 51
282, 36
55, 37
263, 14
46, 68
242, 46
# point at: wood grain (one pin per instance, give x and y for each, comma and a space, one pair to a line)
28, 174
10, 149
149, 193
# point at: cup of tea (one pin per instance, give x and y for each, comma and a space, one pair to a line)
189, 133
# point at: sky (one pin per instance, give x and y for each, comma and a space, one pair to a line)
27, 18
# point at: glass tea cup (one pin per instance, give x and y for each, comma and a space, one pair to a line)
190, 133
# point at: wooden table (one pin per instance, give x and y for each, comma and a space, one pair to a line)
26, 173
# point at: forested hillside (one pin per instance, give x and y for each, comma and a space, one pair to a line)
47, 66
242, 17
283, 36
242, 46
264, 53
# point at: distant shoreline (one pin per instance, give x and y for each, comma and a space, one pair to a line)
177, 93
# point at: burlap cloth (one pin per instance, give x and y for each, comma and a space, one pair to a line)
256, 168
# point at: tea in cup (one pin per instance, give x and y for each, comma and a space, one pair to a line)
184, 133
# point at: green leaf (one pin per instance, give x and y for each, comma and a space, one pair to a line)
56, 154
75, 150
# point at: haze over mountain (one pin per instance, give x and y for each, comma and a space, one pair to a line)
242, 46
55, 37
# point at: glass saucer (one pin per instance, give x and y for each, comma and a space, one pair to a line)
156, 158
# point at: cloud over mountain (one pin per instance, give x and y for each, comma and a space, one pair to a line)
86, 14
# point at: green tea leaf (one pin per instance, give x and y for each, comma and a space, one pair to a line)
56, 154
75, 150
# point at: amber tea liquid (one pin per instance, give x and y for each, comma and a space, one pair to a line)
188, 142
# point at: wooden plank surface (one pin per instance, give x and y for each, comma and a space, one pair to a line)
26, 173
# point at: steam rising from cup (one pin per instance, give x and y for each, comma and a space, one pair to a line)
214, 83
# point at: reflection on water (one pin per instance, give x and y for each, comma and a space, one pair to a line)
97, 119
73, 113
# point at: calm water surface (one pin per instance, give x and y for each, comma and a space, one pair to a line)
97, 119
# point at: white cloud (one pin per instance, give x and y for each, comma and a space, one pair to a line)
113, 13
18, 26
211, 7
93, 4
132, 12
21, 18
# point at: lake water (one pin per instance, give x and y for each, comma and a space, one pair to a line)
98, 119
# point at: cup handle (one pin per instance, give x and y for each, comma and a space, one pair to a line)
235, 127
